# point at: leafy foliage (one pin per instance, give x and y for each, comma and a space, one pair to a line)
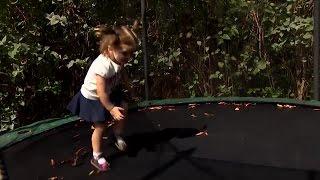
197, 48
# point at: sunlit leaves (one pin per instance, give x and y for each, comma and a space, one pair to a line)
56, 19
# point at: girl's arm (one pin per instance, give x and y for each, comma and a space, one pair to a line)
101, 92
104, 99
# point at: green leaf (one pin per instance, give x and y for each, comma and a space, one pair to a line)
289, 7
4, 39
70, 64
309, 28
189, 34
262, 65
14, 52
63, 20
54, 20
220, 64
220, 41
162, 59
226, 37
307, 36
294, 26
141, 82
55, 54
256, 71
176, 53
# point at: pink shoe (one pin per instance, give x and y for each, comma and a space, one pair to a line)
101, 167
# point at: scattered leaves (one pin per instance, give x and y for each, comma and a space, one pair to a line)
287, 106
75, 160
52, 163
222, 103
155, 108
142, 110
94, 172
191, 106
248, 104
91, 173
169, 108
208, 114
77, 135
55, 178
79, 155
202, 133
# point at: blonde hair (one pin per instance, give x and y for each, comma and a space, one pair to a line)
119, 37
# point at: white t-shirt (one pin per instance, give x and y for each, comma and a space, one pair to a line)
104, 67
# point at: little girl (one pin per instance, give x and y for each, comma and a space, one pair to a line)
100, 100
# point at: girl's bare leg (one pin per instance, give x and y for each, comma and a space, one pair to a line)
96, 138
98, 160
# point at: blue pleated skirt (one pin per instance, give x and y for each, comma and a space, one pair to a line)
92, 110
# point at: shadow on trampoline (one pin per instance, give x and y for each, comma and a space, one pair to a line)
182, 155
151, 142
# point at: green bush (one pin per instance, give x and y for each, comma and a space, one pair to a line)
196, 48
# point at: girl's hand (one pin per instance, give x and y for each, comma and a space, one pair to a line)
117, 113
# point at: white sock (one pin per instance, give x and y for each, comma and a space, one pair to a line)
101, 160
96, 154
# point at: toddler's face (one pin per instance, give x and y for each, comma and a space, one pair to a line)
122, 56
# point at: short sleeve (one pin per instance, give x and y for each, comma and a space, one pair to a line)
102, 68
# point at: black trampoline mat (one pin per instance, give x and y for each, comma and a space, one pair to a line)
255, 142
